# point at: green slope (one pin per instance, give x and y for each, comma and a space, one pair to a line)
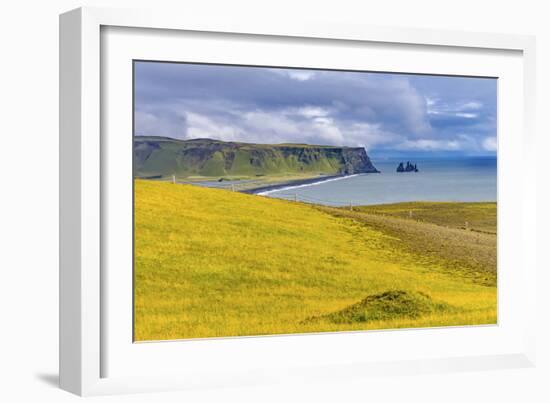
212, 263
476, 216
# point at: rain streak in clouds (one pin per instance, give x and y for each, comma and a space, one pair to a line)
386, 113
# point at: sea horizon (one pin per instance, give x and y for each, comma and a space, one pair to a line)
458, 179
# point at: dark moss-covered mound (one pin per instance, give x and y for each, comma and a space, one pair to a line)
387, 305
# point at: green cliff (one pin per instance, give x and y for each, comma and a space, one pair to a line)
162, 157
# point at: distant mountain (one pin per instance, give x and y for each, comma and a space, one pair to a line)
163, 157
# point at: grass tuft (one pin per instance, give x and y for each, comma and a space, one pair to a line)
394, 304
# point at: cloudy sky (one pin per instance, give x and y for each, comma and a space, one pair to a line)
389, 114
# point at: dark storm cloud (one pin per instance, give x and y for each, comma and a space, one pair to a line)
379, 111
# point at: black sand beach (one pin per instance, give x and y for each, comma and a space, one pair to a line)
298, 182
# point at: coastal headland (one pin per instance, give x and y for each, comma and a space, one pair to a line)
245, 166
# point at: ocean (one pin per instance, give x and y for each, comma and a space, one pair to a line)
465, 180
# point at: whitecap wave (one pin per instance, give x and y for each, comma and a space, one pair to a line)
268, 192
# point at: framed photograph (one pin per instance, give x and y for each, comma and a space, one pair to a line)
250, 202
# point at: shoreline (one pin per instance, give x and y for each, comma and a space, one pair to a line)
262, 190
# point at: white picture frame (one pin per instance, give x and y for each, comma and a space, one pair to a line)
92, 346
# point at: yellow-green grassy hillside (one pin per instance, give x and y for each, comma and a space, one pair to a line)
212, 263
477, 216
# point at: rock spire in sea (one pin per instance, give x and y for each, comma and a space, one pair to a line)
407, 168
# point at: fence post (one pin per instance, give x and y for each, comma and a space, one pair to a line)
351, 206
174, 179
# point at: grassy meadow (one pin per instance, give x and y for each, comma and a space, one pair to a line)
240, 183
216, 263
476, 216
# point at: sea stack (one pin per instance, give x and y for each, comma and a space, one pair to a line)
408, 168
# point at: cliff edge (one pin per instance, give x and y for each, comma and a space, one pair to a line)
163, 156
